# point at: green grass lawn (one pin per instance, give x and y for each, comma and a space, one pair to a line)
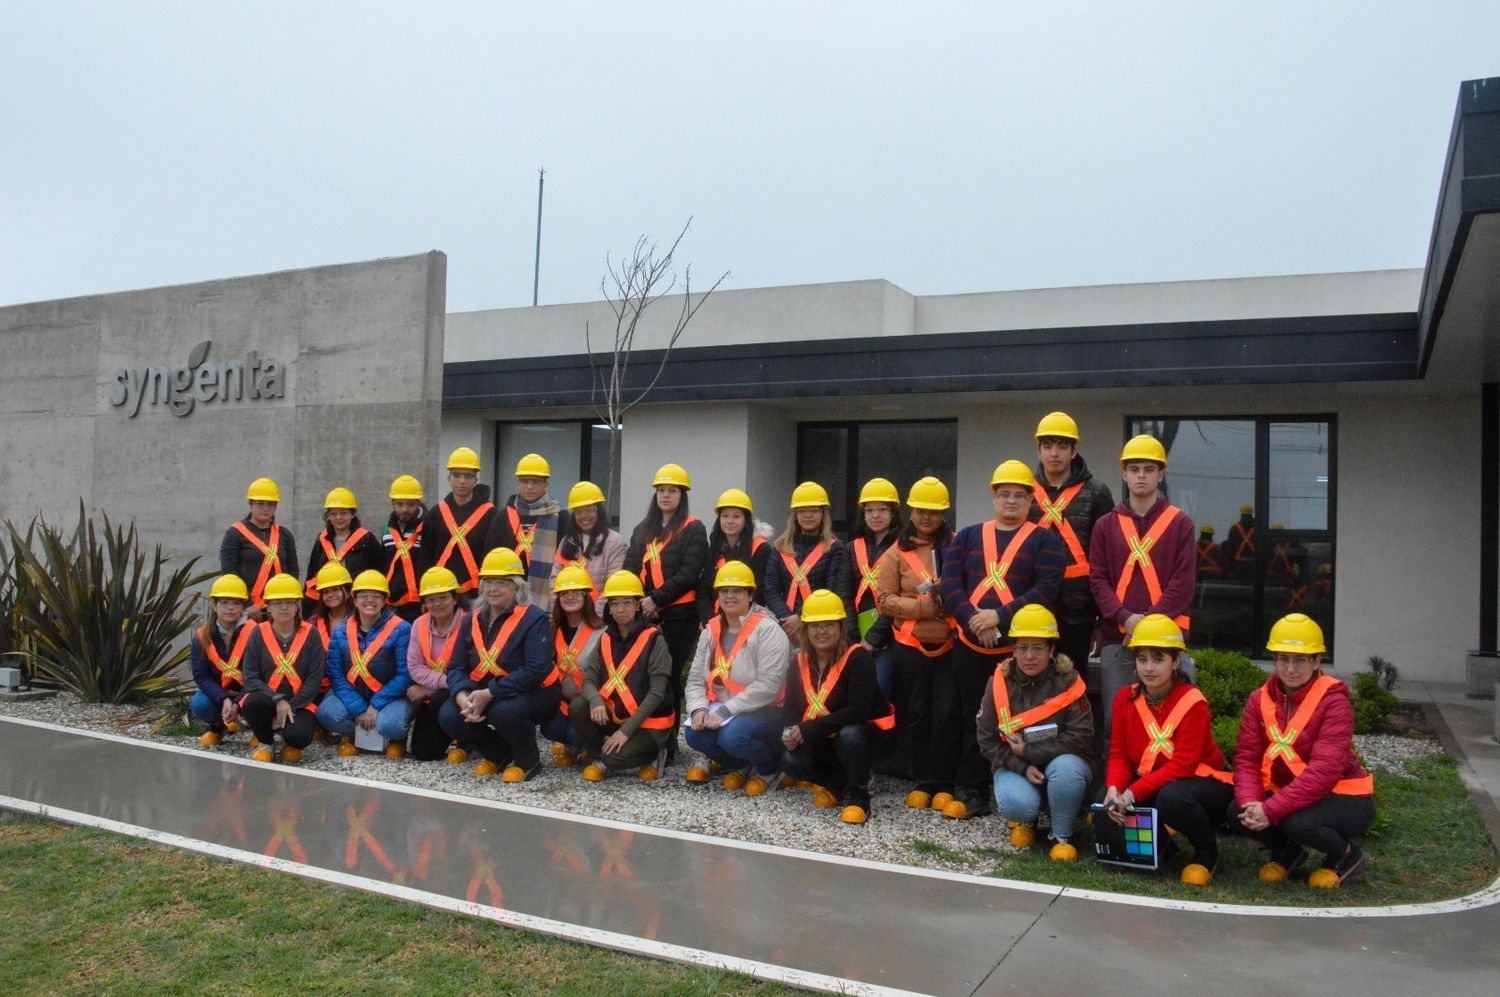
89, 912
1428, 843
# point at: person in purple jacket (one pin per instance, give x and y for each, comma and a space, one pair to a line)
367, 670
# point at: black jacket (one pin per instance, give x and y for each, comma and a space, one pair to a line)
741, 552
681, 566
856, 699
1092, 503
238, 556
365, 555
435, 534
831, 572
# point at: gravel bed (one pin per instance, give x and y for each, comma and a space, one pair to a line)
1385, 751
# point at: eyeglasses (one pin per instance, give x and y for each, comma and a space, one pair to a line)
1293, 660
1031, 649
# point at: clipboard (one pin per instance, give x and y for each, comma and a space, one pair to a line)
1136, 844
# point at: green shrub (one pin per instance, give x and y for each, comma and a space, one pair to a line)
101, 621
1226, 679
1371, 702
1226, 733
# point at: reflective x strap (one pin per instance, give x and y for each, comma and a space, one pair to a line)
1281, 744
1161, 739
1138, 551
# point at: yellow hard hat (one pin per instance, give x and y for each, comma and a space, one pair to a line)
1157, 630
879, 490
1207, 529
1144, 447
584, 493
263, 490
1296, 633
533, 465
406, 489
1059, 424
1325, 568
672, 474
572, 579
1033, 620
809, 494
437, 580
1277, 526
624, 585
1012, 472
229, 587
463, 459
734, 498
928, 493
1246, 510
282, 586
734, 575
340, 498
332, 575
371, 580
822, 606
502, 562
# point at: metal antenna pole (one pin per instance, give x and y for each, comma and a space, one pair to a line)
536, 274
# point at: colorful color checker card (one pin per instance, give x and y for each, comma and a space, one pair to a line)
1134, 843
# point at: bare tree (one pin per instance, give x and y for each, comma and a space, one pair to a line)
629, 287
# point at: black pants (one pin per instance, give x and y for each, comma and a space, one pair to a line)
639, 749
1194, 807
972, 672
840, 762
508, 731
1327, 826
429, 741
680, 630
259, 711
1075, 640
926, 701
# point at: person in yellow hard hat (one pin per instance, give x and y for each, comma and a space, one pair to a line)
335, 588
806, 556
456, 531
624, 712
734, 687
342, 541
667, 551
257, 547
434, 636
588, 541
367, 666
283, 668
1036, 729
1069, 501
876, 529
502, 681
530, 523
1162, 751
989, 571
402, 542
733, 538
218, 656
576, 626
1142, 560
839, 721
1298, 785
924, 690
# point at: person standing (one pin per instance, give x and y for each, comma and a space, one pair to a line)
807, 557
1142, 560
530, 523
456, 530
732, 539
588, 541
879, 525
402, 541
257, 547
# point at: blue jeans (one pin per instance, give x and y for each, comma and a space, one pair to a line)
885, 671
749, 739
1067, 782
390, 723
202, 708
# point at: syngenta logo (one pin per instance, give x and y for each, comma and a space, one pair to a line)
181, 388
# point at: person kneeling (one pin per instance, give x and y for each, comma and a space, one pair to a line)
623, 713
846, 722
1035, 728
284, 664
368, 672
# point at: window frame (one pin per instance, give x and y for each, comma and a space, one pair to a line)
585, 451
843, 519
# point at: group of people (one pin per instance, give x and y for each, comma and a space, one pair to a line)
467, 629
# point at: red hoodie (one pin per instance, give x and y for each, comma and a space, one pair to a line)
1174, 556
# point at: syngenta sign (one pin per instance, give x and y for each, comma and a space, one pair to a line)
198, 380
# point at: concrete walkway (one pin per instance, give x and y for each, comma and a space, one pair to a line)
824, 922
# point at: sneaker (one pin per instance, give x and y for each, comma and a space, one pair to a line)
1353, 862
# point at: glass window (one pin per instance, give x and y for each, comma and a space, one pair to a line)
1299, 475
823, 456
598, 467
843, 456
560, 442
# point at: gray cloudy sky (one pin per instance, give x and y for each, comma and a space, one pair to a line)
944, 147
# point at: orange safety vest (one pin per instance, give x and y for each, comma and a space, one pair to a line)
904, 630
1161, 737
1053, 519
800, 589
575, 562
359, 661
1008, 725
1140, 556
285, 669
1298, 597
1279, 743
817, 698
652, 577
525, 536
489, 654
229, 670
756, 543
869, 574
458, 536
722, 662
1208, 564
334, 556
1281, 560
1245, 551
616, 688
401, 548
320, 626
269, 558
423, 629
565, 658
996, 568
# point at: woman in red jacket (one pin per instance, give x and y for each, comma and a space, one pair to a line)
1297, 783
1162, 751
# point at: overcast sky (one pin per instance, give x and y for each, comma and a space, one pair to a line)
944, 147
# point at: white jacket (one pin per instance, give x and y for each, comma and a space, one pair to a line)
760, 667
